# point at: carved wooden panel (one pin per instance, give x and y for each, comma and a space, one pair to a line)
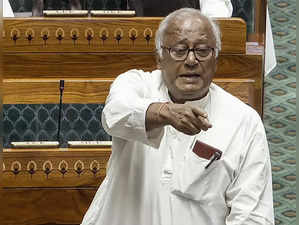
101, 35
54, 167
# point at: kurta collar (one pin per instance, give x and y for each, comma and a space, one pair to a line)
202, 103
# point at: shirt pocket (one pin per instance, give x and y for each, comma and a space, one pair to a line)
193, 181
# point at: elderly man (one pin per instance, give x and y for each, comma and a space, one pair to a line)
165, 123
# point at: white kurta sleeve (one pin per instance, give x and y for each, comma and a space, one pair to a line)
216, 8
250, 194
125, 109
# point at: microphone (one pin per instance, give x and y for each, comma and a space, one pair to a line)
61, 88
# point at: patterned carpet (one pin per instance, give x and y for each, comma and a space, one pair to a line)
280, 110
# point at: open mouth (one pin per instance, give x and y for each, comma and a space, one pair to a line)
189, 75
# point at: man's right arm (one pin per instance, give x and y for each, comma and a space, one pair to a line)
131, 113
124, 114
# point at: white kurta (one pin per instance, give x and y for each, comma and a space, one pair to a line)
7, 10
155, 179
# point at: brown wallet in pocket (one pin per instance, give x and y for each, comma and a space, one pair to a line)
206, 151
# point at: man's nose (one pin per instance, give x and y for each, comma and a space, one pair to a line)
191, 59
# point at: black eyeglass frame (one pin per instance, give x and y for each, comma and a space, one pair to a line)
200, 59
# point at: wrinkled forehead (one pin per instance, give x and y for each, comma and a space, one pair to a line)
191, 29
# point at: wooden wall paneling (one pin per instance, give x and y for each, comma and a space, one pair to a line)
91, 80
260, 21
105, 65
74, 65
95, 91
42, 91
30, 206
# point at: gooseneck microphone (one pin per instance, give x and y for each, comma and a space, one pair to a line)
61, 88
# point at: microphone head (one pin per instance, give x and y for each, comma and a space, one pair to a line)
61, 85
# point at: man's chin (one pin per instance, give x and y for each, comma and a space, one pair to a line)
192, 94
190, 91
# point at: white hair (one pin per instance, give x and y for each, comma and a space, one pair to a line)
182, 13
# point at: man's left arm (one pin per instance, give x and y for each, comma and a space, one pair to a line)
250, 196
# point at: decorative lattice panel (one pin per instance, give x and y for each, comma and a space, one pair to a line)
39, 122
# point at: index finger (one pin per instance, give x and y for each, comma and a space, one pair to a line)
199, 112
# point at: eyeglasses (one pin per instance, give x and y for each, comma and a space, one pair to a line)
179, 53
